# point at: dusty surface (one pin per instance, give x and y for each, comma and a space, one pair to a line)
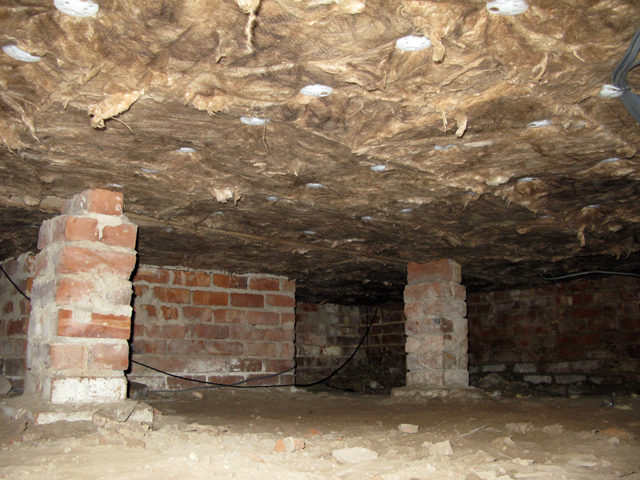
232, 434
115, 97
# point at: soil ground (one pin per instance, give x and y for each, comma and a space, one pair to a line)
233, 434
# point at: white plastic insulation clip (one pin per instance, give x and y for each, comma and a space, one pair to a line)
19, 54
254, 120
77, 8
507, 7
316, 90
610, 91
413, 43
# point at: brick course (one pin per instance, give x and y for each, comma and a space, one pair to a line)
574, 337
211, 326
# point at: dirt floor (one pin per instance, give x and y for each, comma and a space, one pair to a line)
234, 434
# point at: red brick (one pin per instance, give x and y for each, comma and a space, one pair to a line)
210, 331
74, 229
170, 313
161, 362
204, 347
67, 357
138, 330
225, 348
172, 295
225, 379
192, 279
147, 311
260, 349
8, 307
263, 318
148, 346
223, 315
247, 300
307, 307
445, 269
165, 331
245, 333
73, 290
187, 347
281, 301
178, 384
279, 335
258, 379
100, 201
230, 281
121, 236
422, 291
109, 356
630, 323
210, 298
100, 326
272, 284
17, 327
140, 290
197, 313
152, 276
277, 366
287, 320
288, 286
83, 260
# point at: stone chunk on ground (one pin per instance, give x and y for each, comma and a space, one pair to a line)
5, 385
441, 449
354, 455
289, 444
408, 428
553, 430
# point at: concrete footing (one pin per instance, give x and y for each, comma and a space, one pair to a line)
41, 412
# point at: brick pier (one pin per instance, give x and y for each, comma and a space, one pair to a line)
436, 326
81, 315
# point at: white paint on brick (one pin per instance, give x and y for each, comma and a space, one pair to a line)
565, 379
525, 368
88, 390
494, 368
334, 351
537, 379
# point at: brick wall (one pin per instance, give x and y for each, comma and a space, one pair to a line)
211, 326
576, 337
326, 335
14, 321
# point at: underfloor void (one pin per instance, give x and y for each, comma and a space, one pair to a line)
233, 433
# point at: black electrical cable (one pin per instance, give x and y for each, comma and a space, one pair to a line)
630, 100
591, 272
366, 334
239, 384
214, 384
17, 288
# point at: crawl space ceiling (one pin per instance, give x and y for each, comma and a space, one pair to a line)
488, 141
